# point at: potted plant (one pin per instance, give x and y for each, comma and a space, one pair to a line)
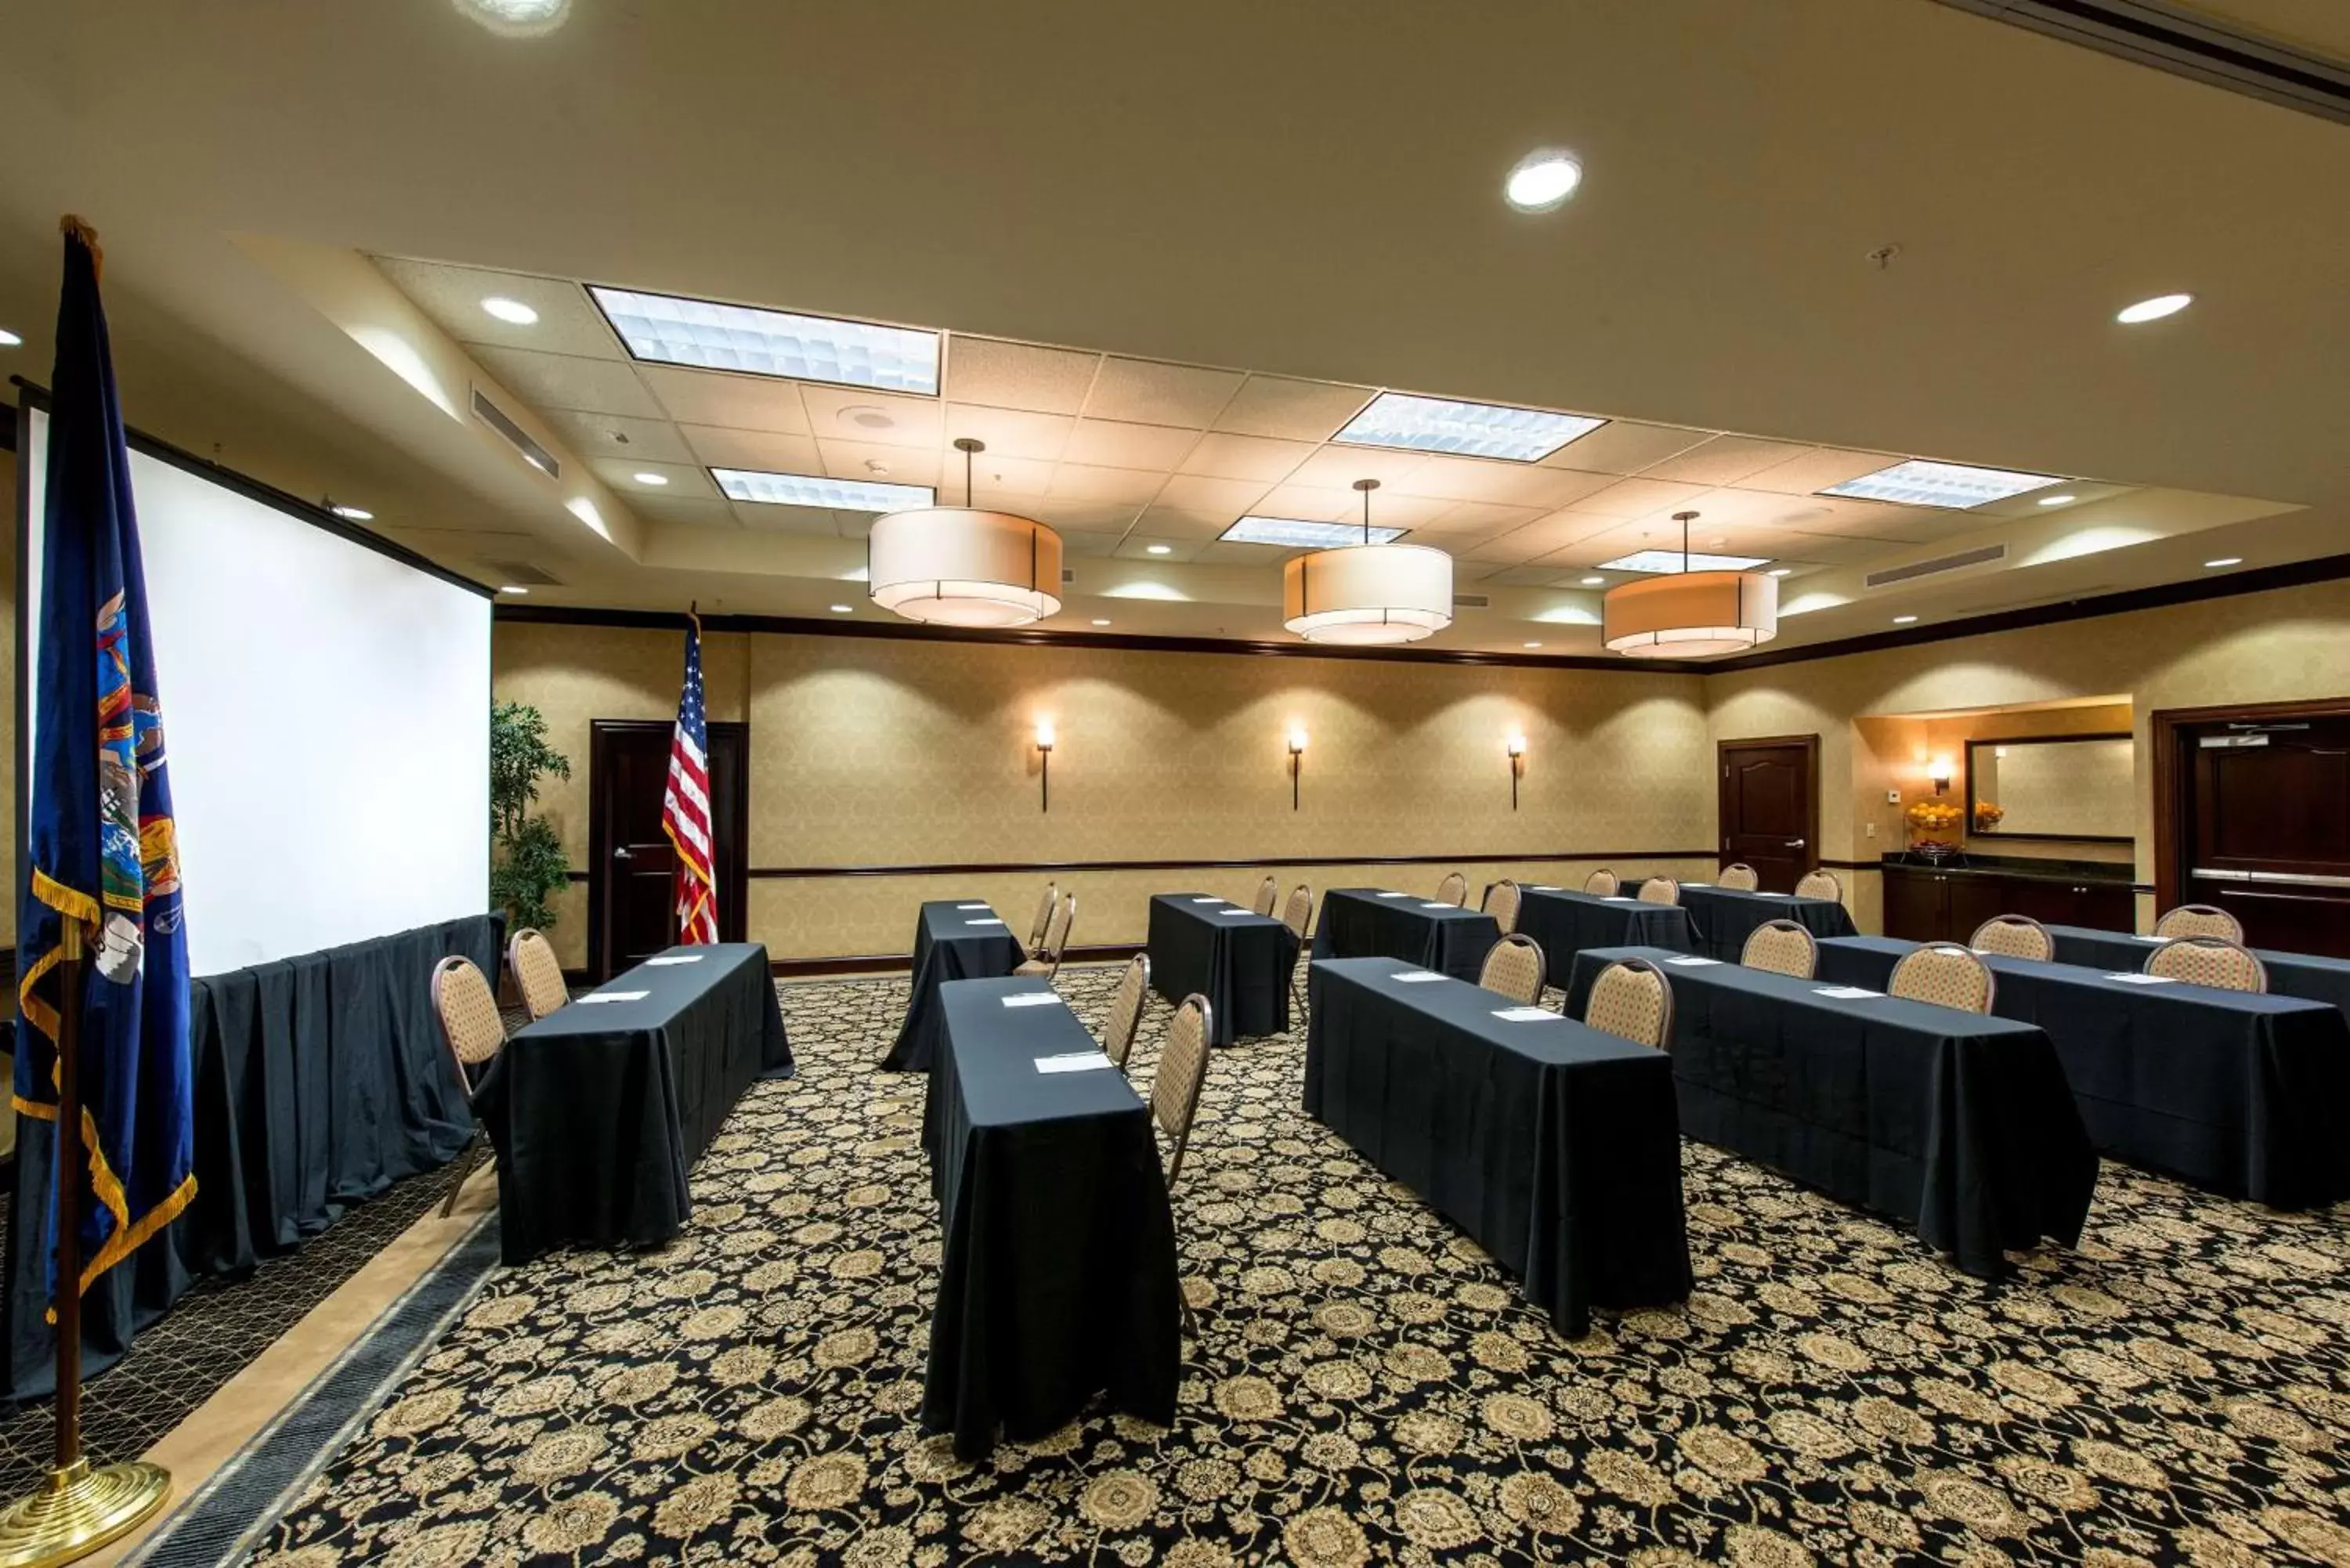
527, 865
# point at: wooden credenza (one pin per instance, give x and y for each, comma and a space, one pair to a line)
1926, 904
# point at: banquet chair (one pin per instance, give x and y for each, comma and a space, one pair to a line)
2209, 961
1267, 891
1660, 890
2014, 936
1820, 884
1175, 1094
1453, 889
1632, 1001
1502, 901
1298, 914
1513, 967
2199, 920
1044, 908
1739, 878
1945, 974
1126, 1008
474, 1033
1602, 884
1046, 959
1782, 947
538, 973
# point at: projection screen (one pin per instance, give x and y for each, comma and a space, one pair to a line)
325, 712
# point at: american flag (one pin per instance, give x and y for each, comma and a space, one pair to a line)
685, 805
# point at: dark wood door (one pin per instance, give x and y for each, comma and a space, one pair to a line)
631, 888
1770, 807
2264, 818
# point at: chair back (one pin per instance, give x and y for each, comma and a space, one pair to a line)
1782, 947
1513, 967
1602, 884
1739, 878
468, 1012
1126, 1007
1044, 908
1057, 932
1660, 890
1183, 1069
2014, 936
1453, 889
1632, 1001
1820, 884
1267, 891
1298, 913
2200, 920
2209, 961
1502, 901
1946, 975
538, 973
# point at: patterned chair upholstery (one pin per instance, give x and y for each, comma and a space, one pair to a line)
1175, 1093
1660, 890
1047, 959
1632, 1001
1502, 901
2199, 920
1453, 889
1044, 908
474, 1033
1126, 1007
1266, 892
1945, 974
2209, 961
2014, 936
1513, 967
1602, 884
538, 973
1782, 947
1740, 878
1820, 884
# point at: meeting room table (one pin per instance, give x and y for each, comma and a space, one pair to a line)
1058, 1277
954, 938
1724, 918
2244, 1095
1238, 960
2310, 976
1565, 922
1552, 1143
598, 1110
1375, 923
1956, 1124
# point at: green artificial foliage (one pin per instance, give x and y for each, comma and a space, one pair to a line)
527, 865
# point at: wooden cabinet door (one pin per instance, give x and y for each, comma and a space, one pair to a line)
1917, 905
1974, 899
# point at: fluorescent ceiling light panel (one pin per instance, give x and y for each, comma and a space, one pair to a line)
713, 337
1670, 561
1918, 482
1297, 533
809, 489
1471, 430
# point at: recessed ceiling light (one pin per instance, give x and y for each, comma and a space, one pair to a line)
1098, 621
2226, 561
1160, 549
2057, 499
713, 337
2154, 309
1542, 180
9, 339
1470, 430
1594, 582
1299, 534
1671, 561
810, 490
514, 588
1920, 482
1903, 619
513, 310
1534, 645
840, 610
353, 513
649, 478
1778, 571
517, 18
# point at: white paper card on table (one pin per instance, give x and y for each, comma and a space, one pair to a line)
1620, 898
2149, 939
993, 920
2145, 979
1440, 905
1526, 1015
668, 959
1033, 999
1542, 889
1394, 895
970, 906
1697, 884
1075, 1062
1232, 911
1845, 992
1415, 977
615, 996
1690, 961
1207, 900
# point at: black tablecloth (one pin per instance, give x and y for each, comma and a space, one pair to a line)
1368, 922
2246, 1095
1240, 961
1953, 1122
1566, 922
2310, 976
1724, 919
600, 1109
319, 1081
1059, 1279
953, 939
1551, 1143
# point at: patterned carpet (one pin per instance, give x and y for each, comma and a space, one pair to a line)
1369, 1389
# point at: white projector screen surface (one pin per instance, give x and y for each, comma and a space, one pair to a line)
326, 720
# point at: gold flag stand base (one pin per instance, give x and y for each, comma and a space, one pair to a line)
79, 1509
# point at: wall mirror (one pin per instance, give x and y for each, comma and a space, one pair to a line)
2052, 787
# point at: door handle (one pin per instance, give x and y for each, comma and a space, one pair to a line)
622, 853
1794, 844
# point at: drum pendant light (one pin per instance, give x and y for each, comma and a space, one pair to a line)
1689, 615
960, 566
1367, 593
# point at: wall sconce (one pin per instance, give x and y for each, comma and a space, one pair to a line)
1517, 766
1939, 770
1044, 762
1296, 761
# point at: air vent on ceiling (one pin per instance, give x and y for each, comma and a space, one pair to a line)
522, 574
2175, 38
1067, 576
1472, 601
1916, 570
498, 419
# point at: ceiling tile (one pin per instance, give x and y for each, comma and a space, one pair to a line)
1723, 508
1003, 375
762, 450
1480, 479
1083, 545
686, 481
1292, 411
1176, 523
1082, 481
1636, 497
1066, 514
1010, 432
885, 418
1108, 444
1815, 470
1230, 553
735, 402
1230, 498
1246, 457
1554, 531
888, 464
996, 477
1145, 392
786, 519
700, 514
453, 296
1521, 578
611, 435
1478, 517
1314, 504
1622, 446
1136, 546
568, 381
1724, 460
1338, 467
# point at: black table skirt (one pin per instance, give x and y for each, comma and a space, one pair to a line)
2310, 976
1724, 918
1240, 964
1058, 1279
947, 945
1957, 1124
1356, 922
319, 1081
2245, 1095
1551, 1143
1566, 922
599, 1110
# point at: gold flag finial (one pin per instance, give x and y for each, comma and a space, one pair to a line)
77, 229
